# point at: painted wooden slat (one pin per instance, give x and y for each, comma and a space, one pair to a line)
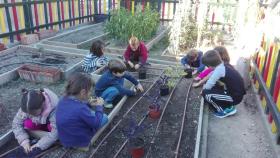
88, 6
62, 13
73, 11
163, 9
46, 14
69, 12
132, 7
174, 7
277, 62
50, 14
36, 16
271, 67
99, 7
58, 14
3, 24
82, 10
104, 6
90, 9
21, 17
79, 11
15, 17
169, 11
55, 16
143, 5
267, 64
95, 6
8, 18
66, 13
109, 5
114, 4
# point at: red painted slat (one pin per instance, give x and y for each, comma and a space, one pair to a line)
62, 13
51, 14
163, 9
36, 15
15, 19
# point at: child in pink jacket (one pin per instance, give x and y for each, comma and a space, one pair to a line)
37, 113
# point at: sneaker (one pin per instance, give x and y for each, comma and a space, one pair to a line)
108, 105
226, 112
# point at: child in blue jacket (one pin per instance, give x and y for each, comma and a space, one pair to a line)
111, 83
193, 60
76, 122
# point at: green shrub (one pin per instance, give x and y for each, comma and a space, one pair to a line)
122, 24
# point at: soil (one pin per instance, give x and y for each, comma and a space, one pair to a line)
21, 56
81, 36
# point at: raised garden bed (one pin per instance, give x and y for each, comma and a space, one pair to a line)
78, 38
14, 58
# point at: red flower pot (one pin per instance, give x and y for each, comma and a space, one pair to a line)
154, 112
136, 147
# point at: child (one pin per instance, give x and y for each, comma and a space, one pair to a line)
204, 75
76, 122
95, 59
37, 113
136, 53
222, 99
193, 60
111, 83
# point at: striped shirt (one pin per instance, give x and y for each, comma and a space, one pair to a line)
92, 63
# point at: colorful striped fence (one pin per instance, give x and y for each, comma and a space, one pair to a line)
27, 16
267, 60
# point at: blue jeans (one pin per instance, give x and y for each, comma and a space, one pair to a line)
104, 118
109, 94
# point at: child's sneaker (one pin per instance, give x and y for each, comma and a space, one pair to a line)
226, 112
108, 105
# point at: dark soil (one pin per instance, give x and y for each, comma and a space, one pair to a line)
10, 61
82, 35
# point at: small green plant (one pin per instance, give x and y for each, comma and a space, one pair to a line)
123, 24
174, 73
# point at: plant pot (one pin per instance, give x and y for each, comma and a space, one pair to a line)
142, 73
100, 18
189, 73
37, 73
2, 47
164, 90
29, 39
136, 147
154, 113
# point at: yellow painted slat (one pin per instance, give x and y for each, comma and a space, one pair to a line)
273, 127
119, 3
168, 11
132, 7
104, 6
272, 65
263, 102
2, 24
21, 18
55, 16
66, 13
41, 13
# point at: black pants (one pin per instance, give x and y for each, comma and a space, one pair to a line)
219, 99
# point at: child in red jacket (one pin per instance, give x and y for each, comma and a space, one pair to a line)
136, 53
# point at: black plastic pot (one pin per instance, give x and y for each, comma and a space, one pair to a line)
142, 73
164, 90
189, 73
100, 17
136, 147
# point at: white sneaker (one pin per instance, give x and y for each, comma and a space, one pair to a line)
108, 105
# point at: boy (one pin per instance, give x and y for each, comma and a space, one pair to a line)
193, 60
222, 99
111, 83
136, 53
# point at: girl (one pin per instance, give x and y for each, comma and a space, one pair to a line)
204, 75
76, 122
95, 59
136, 53
37, 113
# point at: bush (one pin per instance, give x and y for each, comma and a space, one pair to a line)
123, 24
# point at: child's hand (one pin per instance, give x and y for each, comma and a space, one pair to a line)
97, 101
187, 66
195, 85
140, 87
130, 64
26, 147
136, 66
